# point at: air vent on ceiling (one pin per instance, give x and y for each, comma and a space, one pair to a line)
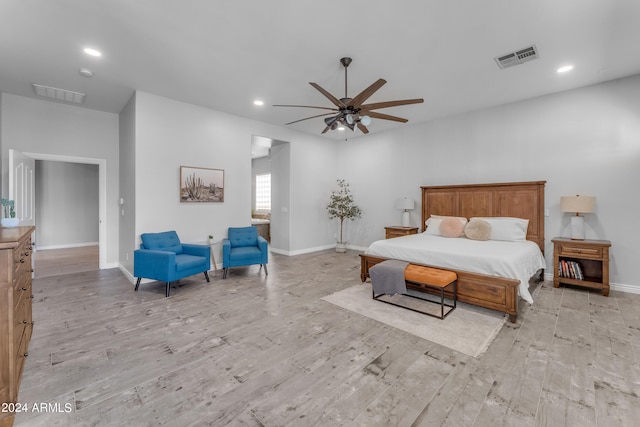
516, 58
59, 94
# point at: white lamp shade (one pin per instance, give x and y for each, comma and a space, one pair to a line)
405, 203
577, 204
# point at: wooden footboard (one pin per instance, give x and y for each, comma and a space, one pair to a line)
496, 293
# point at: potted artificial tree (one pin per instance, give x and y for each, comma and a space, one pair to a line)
9, 219
341, 206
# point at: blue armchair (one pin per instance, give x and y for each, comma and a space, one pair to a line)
162, 257
243, 247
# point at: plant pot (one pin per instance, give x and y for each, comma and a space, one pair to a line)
341, 247
10, 222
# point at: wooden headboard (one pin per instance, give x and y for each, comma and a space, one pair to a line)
513, 199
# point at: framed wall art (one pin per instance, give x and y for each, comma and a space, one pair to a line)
201, 185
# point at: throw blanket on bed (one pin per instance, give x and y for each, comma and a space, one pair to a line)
387, 277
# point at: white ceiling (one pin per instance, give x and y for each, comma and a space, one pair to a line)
225, 54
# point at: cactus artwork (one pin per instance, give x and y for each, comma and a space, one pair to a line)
194, 189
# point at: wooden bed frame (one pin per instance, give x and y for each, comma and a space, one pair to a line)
512, 199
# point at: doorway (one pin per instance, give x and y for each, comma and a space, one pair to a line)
270, 162
64, 191
101, 196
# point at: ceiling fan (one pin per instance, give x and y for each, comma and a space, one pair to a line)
353, 112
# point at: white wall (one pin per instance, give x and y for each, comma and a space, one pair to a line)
127, 185
51, 128
281, 198
170, 134
62, 191
585, 141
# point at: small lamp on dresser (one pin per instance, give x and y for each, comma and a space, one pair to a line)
578, 204
406, 204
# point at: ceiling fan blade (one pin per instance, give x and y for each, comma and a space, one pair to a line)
306, 106
326, 129
377, 115
365, 94
332, 98
388, 104
307, 118
363, 128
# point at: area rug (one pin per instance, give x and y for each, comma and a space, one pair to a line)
468, 329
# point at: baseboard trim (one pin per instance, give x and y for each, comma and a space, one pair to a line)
620, 287
130, 276
65, 246
314, 249
301, 251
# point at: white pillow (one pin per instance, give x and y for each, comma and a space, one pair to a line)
507, 228
433, 223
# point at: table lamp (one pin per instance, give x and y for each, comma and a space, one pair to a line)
578, 204
406, 204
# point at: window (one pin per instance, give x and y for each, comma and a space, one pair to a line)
263, 192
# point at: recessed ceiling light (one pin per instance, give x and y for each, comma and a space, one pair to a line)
92, 52
258, 102
86, 72
565, 69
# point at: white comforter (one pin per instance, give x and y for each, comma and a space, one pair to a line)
515, 260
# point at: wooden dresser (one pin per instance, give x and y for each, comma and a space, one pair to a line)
15, 313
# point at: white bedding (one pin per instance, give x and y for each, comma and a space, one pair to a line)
516, 260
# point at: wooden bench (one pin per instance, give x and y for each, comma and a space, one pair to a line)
430, 279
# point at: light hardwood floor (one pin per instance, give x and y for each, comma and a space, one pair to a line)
267, 351
56, 262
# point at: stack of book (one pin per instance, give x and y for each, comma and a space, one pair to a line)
570, 269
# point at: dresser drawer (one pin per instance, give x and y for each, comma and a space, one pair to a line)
569, 250
20, 322
22, 261
21, 355
22, 286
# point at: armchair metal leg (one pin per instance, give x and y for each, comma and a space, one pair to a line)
224, 272
168, 289
266, 272
206, 275
138, 283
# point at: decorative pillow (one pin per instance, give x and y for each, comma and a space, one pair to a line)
451, 227
477, 229
507, 228
433, 223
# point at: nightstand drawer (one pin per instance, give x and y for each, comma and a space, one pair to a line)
398, 231
576, 250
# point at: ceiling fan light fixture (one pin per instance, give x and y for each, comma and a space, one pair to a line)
331, 120
345, 112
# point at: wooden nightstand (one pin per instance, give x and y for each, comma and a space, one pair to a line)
592, 256
397, 231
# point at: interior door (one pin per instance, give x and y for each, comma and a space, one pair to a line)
22, 186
